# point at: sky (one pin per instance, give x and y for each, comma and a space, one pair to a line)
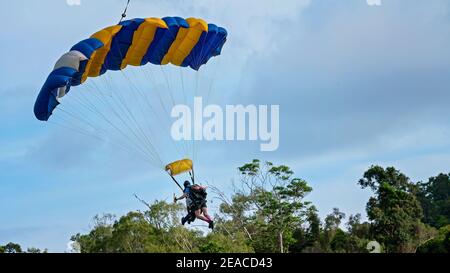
357, 85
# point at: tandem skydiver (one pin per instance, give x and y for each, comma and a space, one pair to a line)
195, 203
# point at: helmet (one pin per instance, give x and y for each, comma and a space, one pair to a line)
186, 184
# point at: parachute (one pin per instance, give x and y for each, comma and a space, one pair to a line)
182, 42
126, 115
179, 167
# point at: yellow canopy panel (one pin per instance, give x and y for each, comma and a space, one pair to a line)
179, 167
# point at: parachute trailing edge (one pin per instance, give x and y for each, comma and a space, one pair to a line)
182, 42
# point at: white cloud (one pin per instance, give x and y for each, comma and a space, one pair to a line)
374, 2
73, 2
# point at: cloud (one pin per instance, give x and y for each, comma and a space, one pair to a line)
348, 86
356, 87
374, 2
73, 2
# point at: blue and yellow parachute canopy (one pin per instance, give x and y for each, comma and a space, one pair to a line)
183, 42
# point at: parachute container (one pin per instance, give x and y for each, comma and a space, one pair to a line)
179, 167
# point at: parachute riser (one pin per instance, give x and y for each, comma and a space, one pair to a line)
192, 175
124, 14
176, 182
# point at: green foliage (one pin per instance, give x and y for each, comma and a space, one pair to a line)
308, 238
16, 248
332, 221
344, 242
36, 250
267, 213
270, 206
434, 197
358, 229
163, 215
11, 248
133, 234
138, 232
440, 244
221, 243
394, 210
340, 241
331, 226
99, 238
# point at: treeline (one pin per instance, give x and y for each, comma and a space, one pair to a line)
267, 212
16, 248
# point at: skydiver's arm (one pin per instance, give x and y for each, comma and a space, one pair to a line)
180, 198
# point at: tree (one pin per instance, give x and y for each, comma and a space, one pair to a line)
358, 229
440, 244
99, 238
359, 234
340, 242
266, 206
333, 220
278, 198
11, 248
394, 210
16, 248
155, 230
163, 215
35, 250
434, 197
308, 237
267, 213
217, 242
133, 234
331, 226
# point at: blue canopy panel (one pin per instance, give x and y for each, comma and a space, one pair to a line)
163, 40
120, 45
209, 45
87, 47
46, 101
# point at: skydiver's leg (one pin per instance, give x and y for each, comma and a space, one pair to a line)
188, 217
198, 214
205, 213
191, 215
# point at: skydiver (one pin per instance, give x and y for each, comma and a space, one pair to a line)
195, 203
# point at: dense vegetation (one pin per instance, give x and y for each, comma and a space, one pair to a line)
267, 212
